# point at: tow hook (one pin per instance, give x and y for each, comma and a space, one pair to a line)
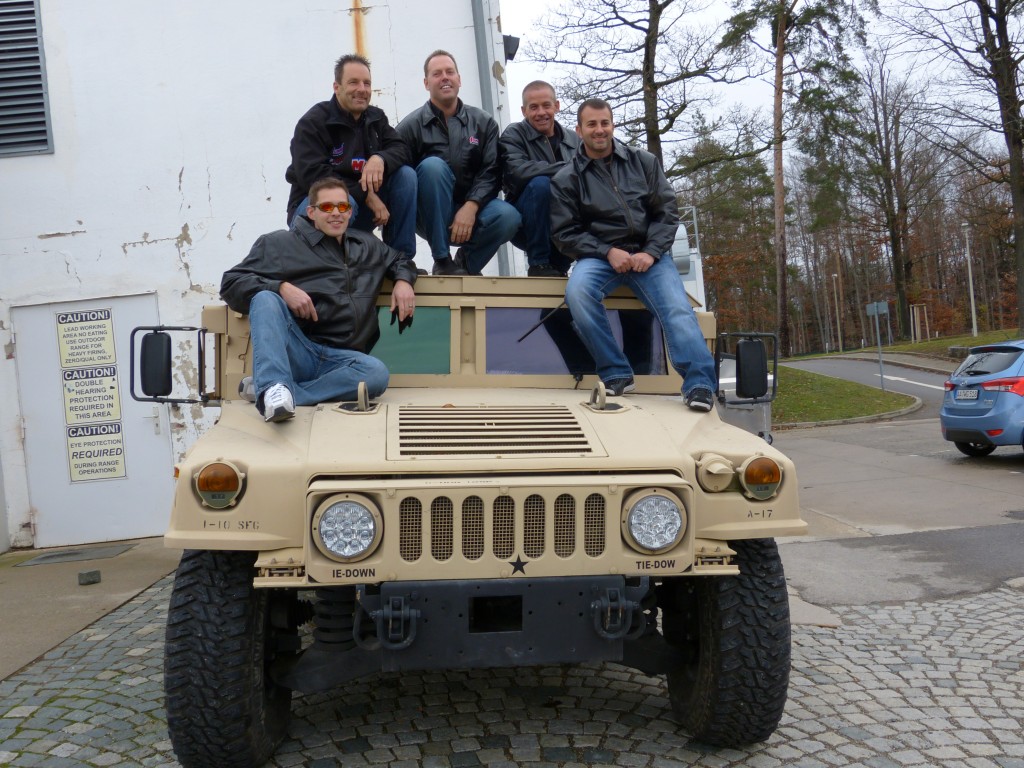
396, 623
613, 616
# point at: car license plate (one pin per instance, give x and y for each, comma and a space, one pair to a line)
967, 394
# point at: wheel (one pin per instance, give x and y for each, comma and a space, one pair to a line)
975, 449
734, 637
222, 707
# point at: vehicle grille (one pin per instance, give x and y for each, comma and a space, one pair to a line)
466, 431
497, 526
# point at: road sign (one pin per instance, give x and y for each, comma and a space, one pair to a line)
877, 308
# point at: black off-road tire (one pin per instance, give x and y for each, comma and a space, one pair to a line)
734, 636
223, 710
975, 449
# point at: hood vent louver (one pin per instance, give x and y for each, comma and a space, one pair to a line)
490, 431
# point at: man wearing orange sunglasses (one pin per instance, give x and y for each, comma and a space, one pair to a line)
311, 294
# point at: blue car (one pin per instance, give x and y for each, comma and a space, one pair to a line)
984, 403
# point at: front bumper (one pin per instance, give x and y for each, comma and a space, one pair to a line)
471, 625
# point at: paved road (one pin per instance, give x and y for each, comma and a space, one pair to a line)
920, 683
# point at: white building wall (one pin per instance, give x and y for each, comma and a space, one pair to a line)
171, 124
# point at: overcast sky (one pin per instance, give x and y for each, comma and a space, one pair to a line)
518, 18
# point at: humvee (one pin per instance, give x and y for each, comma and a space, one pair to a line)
494, 508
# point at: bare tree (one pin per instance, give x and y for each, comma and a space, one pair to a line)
981, 45
900, 160
648, 58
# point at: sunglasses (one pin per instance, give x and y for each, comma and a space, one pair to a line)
328, 207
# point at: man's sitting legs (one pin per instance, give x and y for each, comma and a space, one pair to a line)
591, 280
534, 235
398, 193
312, 373
495, 223
661, 291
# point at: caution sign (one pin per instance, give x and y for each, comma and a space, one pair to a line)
95, 452
91, 395
92, 401
85, 338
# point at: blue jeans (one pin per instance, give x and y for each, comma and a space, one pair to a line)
399, 194
314, 373
496, 222
534, 236
661, 291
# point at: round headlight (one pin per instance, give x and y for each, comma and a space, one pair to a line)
654, 521
347, 529
760, 477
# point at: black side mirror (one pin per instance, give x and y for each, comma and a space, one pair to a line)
751, 368
155, 364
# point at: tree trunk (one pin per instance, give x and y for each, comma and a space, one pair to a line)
1003, 66
781, 292
651, 117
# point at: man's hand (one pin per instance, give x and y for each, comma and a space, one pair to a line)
620, 260
381, 214
373, 174
298, 301
642, 261
462, 224
403, 298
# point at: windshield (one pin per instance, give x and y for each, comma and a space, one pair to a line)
988, 361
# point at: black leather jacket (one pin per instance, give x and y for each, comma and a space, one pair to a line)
526, 153
322, 148
469, 146
342, 280
628, 205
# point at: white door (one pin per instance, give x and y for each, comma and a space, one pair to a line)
98, 463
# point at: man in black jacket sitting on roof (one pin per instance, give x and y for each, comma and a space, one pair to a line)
455, 151
347, 138
532, 151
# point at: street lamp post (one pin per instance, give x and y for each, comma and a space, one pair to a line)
839, 328
970, 279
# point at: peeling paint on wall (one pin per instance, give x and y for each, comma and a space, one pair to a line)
72, 233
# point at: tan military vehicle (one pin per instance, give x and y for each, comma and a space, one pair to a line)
494, 508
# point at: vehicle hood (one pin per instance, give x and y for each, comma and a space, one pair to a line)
467, 431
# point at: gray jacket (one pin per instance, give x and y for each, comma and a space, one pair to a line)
526, 153
343, 280
468, 143
628, 205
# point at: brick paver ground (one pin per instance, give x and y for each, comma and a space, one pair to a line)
916, 684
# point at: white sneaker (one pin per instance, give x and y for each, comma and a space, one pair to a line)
247, 389
278, 404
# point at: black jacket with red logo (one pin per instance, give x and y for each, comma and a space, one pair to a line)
323, 145
468, 143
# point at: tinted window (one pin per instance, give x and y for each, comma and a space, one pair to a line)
424, 347
989, 360
554, 348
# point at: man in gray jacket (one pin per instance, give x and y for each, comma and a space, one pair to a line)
455, 152
532, 151
311, 294
614, 212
